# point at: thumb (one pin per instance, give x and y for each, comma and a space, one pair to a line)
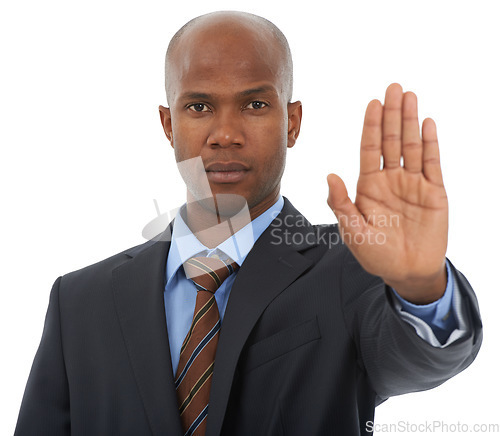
347, 213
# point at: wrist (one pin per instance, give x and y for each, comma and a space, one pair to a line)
421, 291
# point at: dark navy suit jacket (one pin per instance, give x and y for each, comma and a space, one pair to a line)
310, 344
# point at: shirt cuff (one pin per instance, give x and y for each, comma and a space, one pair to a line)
439, 323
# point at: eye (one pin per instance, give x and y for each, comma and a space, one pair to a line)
256, 105
198, 107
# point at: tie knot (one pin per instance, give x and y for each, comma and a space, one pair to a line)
208, 273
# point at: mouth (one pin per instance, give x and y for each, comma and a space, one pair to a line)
226, 172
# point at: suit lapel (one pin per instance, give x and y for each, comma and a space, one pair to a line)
269, 268
138, 287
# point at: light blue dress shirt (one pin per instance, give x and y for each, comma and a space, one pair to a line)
434, 322
180, 292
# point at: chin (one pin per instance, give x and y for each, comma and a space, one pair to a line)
230, 204
222, 204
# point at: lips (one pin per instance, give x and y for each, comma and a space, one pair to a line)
226, 166
226, 172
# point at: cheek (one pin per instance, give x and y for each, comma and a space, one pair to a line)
275, 140
272, 157
187, 141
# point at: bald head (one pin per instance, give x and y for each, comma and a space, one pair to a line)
227, 25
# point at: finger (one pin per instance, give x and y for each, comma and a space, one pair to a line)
371, 139
412, 144
431, 161
349, 218
391, 133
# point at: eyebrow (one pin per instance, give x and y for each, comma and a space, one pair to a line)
259, 90
203, 96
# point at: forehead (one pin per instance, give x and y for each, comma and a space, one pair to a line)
226, 55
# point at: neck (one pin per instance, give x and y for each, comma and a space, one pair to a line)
213, 220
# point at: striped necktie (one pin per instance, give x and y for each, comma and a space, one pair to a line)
196, 363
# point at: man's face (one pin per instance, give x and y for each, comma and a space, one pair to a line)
228, 105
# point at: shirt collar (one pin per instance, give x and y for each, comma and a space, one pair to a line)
184, 243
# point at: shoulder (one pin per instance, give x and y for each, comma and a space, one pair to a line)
325, 247
96, 280
292, 228
106, 264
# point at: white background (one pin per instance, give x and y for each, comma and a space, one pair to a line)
83, 153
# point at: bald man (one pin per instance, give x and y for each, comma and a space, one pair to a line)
312, 326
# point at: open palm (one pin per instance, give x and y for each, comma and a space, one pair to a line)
398, 225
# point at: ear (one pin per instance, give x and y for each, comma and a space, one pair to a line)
166, 122
294, 120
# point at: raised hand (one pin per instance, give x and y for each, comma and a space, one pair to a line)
397, 228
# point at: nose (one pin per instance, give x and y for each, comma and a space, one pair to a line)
226, 130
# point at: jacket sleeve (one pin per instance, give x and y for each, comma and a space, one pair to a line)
395, 359
45, 405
